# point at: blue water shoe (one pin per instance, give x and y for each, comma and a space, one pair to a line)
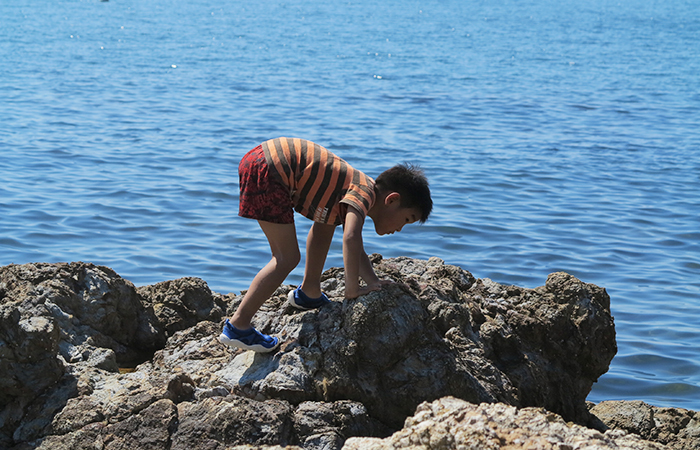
299, 300
250, 339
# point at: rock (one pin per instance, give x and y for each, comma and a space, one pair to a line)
437, 332
149, 429
632, 416
352, 368
216, 423
182, 303
451, 423
56, 319
677, 428
327, 425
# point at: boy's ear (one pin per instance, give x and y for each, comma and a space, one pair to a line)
392, 197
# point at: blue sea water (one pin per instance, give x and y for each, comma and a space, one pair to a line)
556, 136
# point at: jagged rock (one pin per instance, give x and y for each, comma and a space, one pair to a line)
216, 422
677, 428
327, 425
149, 429
55, 318
92, 306
171, 410
381, 350
182, 303
451, 423
437, 332
352, 368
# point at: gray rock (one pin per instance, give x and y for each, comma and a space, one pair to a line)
149, 429
437, 332
354, 368
182, 303
451, 423
55, 319
677, 428
216, 423
322, 425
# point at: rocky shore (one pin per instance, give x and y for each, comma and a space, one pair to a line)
437, 360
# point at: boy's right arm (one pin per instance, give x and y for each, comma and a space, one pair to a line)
353, 253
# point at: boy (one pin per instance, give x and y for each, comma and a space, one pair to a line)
283, 175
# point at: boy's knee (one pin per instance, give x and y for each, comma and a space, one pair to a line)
295, 260
289, 261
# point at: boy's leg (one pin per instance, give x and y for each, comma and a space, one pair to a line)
317, 245
285, 257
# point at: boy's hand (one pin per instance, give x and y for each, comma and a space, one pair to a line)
355, 259
352, 251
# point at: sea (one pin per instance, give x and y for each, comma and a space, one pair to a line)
557, 136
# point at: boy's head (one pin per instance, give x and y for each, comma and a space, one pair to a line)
410, 182
403, 197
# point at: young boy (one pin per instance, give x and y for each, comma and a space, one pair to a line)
283, 175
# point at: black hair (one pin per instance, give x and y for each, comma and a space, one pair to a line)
410, 182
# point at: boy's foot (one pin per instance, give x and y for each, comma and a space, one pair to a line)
250, 339
299, 300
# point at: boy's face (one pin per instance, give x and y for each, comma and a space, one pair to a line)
393, 217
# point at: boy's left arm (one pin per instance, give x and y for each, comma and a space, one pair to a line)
355, 258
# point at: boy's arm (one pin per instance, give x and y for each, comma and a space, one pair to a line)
354, 256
